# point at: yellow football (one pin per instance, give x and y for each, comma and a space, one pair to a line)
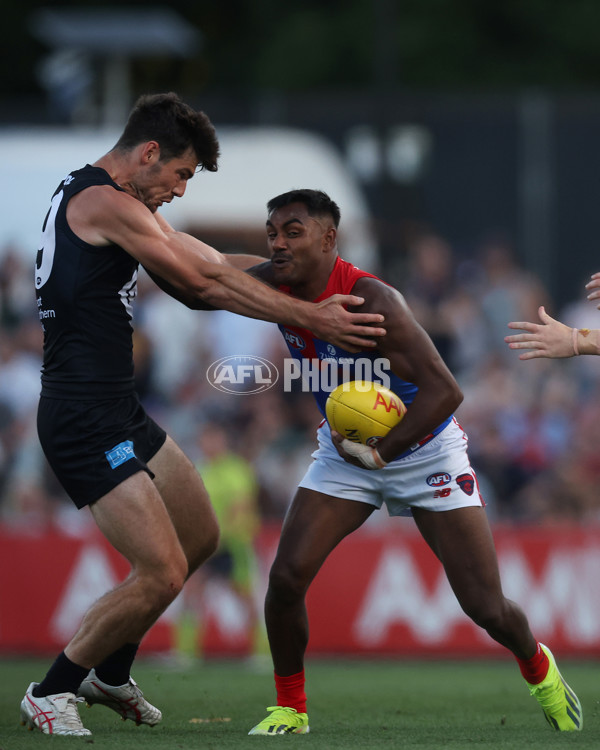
362, 411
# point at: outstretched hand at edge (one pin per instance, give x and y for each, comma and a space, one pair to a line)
550, 339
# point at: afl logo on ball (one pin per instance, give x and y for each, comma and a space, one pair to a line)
241, 374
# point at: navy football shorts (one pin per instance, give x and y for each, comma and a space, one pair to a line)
92, 446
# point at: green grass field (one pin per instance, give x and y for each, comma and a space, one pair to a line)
352, 704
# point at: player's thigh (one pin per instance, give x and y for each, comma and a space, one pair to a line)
314, 525
463, 542
134, 519
185, 497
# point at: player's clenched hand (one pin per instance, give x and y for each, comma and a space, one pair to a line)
349, 330
594, 285
550, 339
356, 453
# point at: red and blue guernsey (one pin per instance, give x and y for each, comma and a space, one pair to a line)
326, 366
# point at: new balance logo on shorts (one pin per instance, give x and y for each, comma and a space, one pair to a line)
120, 453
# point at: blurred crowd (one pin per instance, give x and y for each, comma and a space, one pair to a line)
534, 427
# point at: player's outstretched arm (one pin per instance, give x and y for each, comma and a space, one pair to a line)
238, 260
199, 275
552, 339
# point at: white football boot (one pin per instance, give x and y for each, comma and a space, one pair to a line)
127, 700
52, 714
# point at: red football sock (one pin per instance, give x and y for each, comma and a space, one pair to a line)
290, 691
534, 670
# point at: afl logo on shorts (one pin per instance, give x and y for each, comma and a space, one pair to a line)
439, 479
466, 483
242, 374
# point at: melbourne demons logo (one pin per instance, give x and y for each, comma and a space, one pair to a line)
293, 339
466, 483
439, 479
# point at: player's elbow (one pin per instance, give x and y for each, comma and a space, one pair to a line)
454, 396
449, 394
208, 296
457, 395
203, 290
197, 302
198, 297
208, 290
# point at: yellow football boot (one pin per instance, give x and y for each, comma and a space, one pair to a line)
282, 720
558, 701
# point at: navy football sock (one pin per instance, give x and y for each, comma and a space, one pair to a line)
116, 668
63, 677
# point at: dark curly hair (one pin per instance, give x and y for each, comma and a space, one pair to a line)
317, 203
175, 126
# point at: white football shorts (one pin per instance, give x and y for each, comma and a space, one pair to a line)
437, 476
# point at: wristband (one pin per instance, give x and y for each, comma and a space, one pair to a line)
574, 333
369, 457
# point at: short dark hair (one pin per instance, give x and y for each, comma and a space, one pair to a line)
175, 126
317, 203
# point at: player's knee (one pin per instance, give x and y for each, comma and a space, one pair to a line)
167, 589
287, 581
165, 583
